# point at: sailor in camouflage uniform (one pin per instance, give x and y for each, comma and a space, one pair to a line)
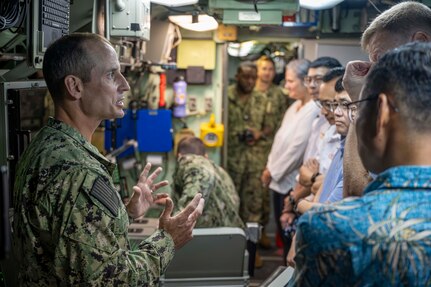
277, 106
195, 173
70, 226
278, 100
249, 125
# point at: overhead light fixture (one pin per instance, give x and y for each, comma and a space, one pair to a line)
175, 3
318, 5
240, 49
195, 22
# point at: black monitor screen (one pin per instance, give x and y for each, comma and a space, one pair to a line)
48, 21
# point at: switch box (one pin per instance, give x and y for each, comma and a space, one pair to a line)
130, 18
192, 105
208, 104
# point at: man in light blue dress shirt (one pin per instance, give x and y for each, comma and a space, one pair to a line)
344, 112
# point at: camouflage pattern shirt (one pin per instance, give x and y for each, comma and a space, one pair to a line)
278, 103
277, 106
252, 114
197, 174
70, 226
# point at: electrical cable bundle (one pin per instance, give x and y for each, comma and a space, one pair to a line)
11, 12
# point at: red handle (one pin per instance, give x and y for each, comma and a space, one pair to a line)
162, 89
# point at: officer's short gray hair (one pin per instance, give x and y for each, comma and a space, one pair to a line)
68, 56
402, 19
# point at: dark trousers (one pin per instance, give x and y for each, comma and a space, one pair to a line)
278, 200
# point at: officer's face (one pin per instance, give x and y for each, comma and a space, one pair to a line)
266, 71
246, 79
103, 96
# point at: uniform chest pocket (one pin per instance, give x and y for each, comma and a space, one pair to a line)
98, 219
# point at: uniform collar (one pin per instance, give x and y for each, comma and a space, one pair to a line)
78, 137
232, 93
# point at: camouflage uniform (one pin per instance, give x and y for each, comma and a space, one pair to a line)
70, 226
194, 174
277, 106
246, 163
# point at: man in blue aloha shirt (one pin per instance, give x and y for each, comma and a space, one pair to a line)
384, 237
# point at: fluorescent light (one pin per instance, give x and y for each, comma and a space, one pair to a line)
240, 49
174, 3
318, 5
204, 22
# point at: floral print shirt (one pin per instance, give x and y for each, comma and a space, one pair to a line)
380, 239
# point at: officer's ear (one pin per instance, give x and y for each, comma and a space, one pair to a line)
74, 86
421, 36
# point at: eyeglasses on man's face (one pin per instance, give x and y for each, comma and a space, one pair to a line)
375, 97
369, 98
331, 106
345, 105
317, 80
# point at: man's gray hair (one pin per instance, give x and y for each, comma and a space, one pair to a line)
403, 19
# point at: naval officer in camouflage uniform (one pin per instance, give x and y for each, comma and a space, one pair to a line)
278, 102
70, 226
250, 124
195, 173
